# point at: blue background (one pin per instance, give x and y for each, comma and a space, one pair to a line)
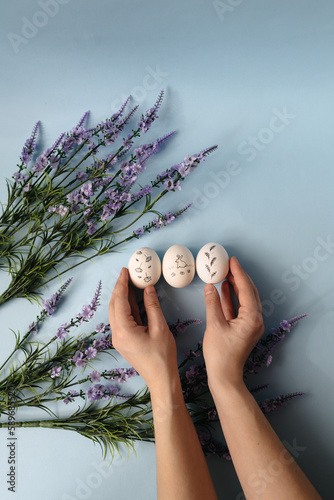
266, 194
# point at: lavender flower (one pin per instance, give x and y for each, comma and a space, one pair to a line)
62, 331
143, 192
102, 328
103, 343
79, 360
269, 405
172, 185
33, 328
95, 301
151, 115
83, 119
90, 353
195, 380
54, 161
100, 391
55, 372
95, 376
121, 375
261, 354
212, 414
139, 232
40, 165
70, 397
88, 310
18, 177
296, 319
87, 189
49, 305
189, 164
30, 145
285, 325
269, 360
181, 326
60, 209
91, 229
191, 354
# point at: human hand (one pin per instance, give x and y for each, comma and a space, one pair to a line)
151, 349
228, 340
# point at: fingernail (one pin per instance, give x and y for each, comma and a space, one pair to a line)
208, 289
150, 290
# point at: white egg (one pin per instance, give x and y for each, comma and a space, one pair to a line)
178, 266
144, 267
212, 263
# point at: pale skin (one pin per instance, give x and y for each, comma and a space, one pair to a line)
256, 450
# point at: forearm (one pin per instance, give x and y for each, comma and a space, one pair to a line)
182, 472
264, 466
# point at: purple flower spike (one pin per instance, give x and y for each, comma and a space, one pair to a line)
83, 119
88, 310
151, 115
30, 144
181, 326
122, 108
95, 301
49, 306
269, 405
296, 319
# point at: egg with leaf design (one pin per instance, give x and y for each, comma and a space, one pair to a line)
144, 267
212, 263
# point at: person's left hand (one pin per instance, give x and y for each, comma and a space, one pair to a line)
151, 349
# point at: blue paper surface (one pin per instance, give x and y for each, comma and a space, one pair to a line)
255, 78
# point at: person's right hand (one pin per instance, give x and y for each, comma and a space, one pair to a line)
229, 339
150, 349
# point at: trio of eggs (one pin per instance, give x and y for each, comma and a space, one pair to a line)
178, 265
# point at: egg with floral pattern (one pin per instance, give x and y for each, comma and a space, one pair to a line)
144, 267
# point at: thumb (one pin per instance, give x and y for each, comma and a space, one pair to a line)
214, 312
155, 317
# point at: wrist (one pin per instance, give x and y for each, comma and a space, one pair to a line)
166, 384
167, 398
225, 387
231, 376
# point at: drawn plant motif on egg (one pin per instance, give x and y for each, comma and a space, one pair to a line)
139, 269
144, 267
212, 263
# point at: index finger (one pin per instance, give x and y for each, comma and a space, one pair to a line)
119, 307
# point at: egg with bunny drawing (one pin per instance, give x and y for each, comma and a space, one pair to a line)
178, 266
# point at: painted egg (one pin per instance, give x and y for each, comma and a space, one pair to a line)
144, 267
212, 263
178, 266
